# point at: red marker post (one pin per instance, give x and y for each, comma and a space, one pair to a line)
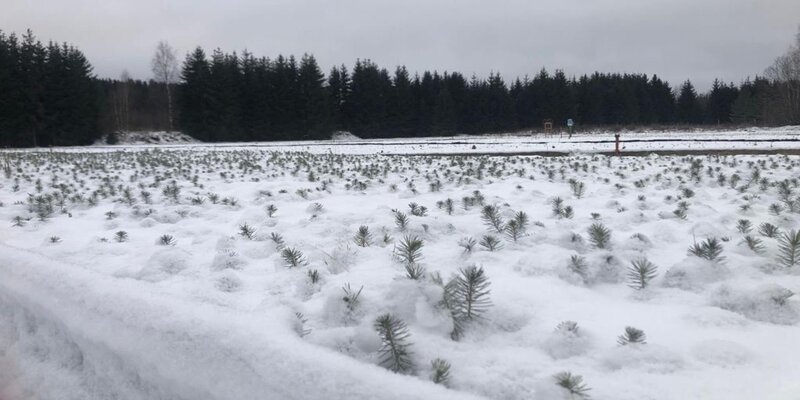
616, 140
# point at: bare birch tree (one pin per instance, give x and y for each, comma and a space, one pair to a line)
786, 71
120, 98
165, 70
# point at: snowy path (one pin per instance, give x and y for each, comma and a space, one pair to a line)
79, 335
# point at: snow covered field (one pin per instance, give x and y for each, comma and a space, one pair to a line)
187, 272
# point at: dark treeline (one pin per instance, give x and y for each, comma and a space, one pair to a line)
228, 97
131, 105
49, 96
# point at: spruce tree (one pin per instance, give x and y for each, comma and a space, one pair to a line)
196, 111
312, 104
688, 107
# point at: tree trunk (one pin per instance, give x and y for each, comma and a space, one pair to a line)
169, 107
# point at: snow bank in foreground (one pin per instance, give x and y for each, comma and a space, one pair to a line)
66, 333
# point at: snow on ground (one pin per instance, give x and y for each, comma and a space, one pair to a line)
87, 312
749, 139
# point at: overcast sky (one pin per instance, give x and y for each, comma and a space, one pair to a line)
675, 39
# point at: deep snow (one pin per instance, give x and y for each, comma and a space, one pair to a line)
213, 316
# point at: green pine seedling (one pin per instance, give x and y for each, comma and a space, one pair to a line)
441, 371
768, 230
789, 248
300, 325
491, 243
277, 238
394, 354
558, 207
577, 264
448, 206
293, 257
632, 336
121, 236
568, 328
313, 276
166, 240
414, 271
468, 243
467, 296
578, 188
363, 237
409, 250
247, 231
573, 384
710, 249
417, 210
781, 296
744, 226
401, 220
755, 244
641, 273
351, 297
599, 235
491, 217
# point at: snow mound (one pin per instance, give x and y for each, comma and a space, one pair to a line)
134, 138
344, 136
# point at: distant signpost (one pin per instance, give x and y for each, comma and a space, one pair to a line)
548, 125
570, 124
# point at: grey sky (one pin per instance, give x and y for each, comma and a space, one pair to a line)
676, 39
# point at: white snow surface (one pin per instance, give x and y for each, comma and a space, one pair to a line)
749, 139
212, 316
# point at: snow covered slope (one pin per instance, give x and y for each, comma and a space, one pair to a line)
67, 333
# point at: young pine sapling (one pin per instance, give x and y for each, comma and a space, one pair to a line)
394, 353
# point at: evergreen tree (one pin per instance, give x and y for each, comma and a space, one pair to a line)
69, 111
424, 89
225, 97
368, 99
196, 100
663, 100
48, 94
688, 107
744, 109
32, 56
283, 97
8, 91
720, 102
444, 113
254, 125
312, 108
402, 104
338, 96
